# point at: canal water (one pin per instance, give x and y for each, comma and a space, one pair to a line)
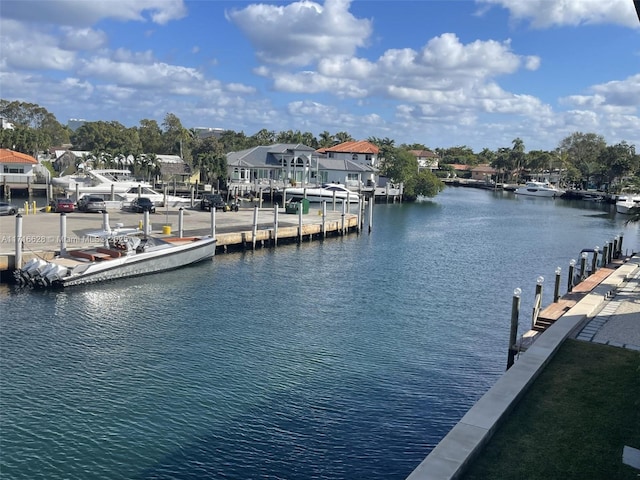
344, 359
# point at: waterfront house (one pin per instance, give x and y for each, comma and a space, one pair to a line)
483, 173
17, 170
427, 160
363, 152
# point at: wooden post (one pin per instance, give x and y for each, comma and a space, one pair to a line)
572, 266
610, 252
63, 234
300, 222
344, 216
556, 291
192, 194
371, 202
594, 260
275, 225
605, 255
213, 222
254, 231
537, 301
324, 219
180, 222
620, 245
77, 192
18, 245
583, 265
513, 333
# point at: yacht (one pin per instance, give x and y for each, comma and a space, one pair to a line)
325, 193
625, 203
539, 189
120, 183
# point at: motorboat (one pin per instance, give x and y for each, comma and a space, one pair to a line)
625, 203
114, 184
325, 193
539, 189
123, 253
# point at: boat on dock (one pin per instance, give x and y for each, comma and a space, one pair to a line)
625, 203
324, 193
539, 189
124, 253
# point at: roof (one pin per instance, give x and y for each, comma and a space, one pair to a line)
343, 165
484, 168
360, 146
266, 155
424, 153
9, 156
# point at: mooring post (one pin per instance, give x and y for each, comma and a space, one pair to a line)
260, 197
181, 222
18, 260
605, 255
620, 245
105, 221
300, 222
254, 230
572, 267
334, 200
112, 195
583, 265
371, 202
556, 291
275, 224
614, 253
610, 252
537, 303
323, 212
213, 223
145, 224
594, 260
344, 217
77, 192
513, 333
63, 234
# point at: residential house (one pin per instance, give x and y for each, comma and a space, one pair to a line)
426, 159
16, 167
484, 173
347, 172
279, 162
173, 168
362, 152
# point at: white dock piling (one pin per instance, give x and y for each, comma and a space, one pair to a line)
18, 241
63, 233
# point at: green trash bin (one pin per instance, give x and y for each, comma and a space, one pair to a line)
294, 207
305, 205
291, 207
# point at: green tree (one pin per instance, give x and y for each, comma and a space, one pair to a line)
582, 150
150, 136
616, 162
326, 140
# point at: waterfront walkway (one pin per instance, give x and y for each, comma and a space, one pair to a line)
599, 317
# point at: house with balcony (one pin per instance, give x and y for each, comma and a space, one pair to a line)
427, 160
17, 171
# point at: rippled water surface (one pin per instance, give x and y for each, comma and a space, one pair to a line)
344, 359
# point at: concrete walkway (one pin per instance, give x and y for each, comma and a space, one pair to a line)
599, 317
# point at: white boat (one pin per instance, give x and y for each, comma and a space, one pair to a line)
539, 189
325, 193
625, 203
124, 253
121, 183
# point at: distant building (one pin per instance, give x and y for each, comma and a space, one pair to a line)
483, 172
206, 132
16, 167
6, 124
426, 159
363, 152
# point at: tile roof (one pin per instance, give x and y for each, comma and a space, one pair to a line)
9, 156
361, 146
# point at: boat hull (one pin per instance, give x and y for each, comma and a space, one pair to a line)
318, 195
158, 259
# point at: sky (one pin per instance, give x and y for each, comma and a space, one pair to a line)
475, 73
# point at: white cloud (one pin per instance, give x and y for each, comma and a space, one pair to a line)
301, 32
82, 39
547, 13
85, 13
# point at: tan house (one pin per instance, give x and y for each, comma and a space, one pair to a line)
483, 173
426, 159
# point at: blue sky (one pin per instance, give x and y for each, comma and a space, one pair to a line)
441, 73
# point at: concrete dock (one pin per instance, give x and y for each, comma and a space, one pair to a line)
248, 228
609, 314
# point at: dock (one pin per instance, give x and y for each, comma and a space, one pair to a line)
247, 229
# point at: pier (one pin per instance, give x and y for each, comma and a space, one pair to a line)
249, 228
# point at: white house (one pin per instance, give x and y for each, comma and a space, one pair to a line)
16, 167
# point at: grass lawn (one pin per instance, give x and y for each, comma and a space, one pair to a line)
574, 421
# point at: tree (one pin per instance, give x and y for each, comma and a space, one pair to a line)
150, 136
582, 150
425, 184
343, 137
326, 140
616, 162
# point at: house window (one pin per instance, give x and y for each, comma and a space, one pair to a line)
331, 155
12, 169
352, 176
368, 157
354, 157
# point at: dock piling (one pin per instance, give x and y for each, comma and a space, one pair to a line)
537, 303
63, 233
180, 222
513, 334
275, 225
213, 223
18, 241
572, 267
254, 230
556, 291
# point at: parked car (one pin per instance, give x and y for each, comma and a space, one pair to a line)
63, 205
143, 204
212, 200
91, 204
8, 209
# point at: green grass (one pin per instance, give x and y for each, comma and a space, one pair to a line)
573, 422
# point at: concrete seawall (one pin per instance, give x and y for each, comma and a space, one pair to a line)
246, 229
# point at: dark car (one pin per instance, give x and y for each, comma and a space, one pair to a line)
212, 200
143, 204
92, 204
8, 209
63, 205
